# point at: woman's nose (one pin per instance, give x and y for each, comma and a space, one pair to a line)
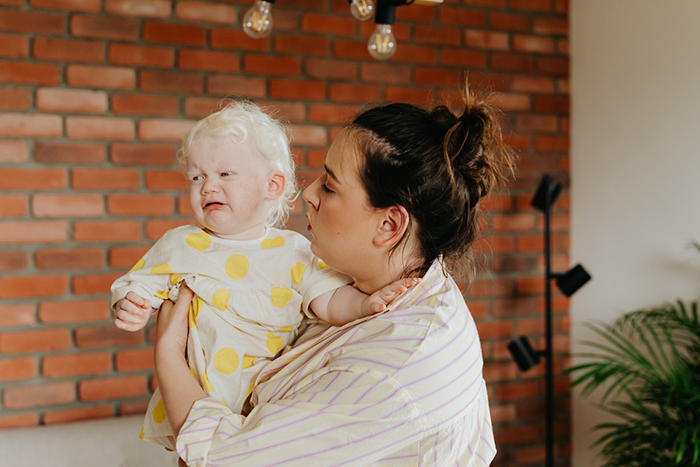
310, 194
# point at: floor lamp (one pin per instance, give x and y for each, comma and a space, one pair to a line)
568, 283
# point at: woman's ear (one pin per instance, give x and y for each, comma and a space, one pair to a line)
275, 185
394, 223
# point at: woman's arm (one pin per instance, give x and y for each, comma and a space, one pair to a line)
178, 388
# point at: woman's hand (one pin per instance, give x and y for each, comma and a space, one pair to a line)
172, 326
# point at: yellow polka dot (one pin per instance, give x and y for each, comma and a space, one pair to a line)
237, 267
161, 269
158, 412
199, 241
220, 299
205, 382
248, 361
162, 294
272, 242
287, 329
250, 389
224, 402
298, 272
143, 433
195, 308
193, 372
226, 361
280, 296
139, 265
274, 343
175, 278
322, 265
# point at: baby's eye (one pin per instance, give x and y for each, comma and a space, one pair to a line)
196, 178
226, 174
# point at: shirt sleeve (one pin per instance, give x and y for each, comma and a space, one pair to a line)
341, 417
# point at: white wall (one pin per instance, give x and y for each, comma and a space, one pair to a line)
635, 171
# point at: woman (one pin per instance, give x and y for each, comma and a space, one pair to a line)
399, 198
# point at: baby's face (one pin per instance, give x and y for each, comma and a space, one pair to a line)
229, 187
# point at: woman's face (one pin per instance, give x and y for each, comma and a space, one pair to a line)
340, 217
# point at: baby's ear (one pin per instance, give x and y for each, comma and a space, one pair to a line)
275, 185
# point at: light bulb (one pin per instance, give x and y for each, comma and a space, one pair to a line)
382, 43
362, 9
257, 22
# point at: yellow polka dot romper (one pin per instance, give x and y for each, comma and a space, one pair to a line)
250, 298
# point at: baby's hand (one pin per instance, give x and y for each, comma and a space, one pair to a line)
132, 313
377, 302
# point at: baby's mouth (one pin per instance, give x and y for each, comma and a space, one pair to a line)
213, 205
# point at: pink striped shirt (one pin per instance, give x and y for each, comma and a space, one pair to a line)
401, 388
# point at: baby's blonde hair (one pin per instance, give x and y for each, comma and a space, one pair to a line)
241, 119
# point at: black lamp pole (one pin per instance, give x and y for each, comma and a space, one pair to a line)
549, 377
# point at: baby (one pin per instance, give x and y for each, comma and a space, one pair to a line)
252, 282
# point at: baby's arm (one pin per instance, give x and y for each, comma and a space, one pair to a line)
346, 303
132, 312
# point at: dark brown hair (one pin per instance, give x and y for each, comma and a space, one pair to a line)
438, 166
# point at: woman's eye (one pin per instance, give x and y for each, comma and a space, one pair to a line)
325, 188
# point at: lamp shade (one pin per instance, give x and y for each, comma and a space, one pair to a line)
572, 280
522, 353
539, 200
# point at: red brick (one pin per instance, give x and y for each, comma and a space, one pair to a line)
493, 244
136, 359
174, 33
77, 415
387, 74
537, 84
33, 232
141, 104
238, 40
510, 102
16, 369
105, 27
13, 206
415, 54
400, 29
537, 5
530, 285
297, 89
92, 6
202, 11
68, 153
74, 311
490, 288
112, 388
107, 231
145, 8
463, 58
538, 123
488, 81
32, 179
14, 99
43, 340
553, 66
109, 128
13, 46
109, 77
163, 129
209, 61
511, 61
126, 256
222, 85
401, 94
106, 336
267, 65
105, 179
57, 366
551, 26
39, 395
138, 55
309, 135
437, 76
165, 180
461, 16
531, 455
133, 408
83, 258
325, 24
552, 143
170, 81
509, 22
93, 283
26, 125
354, 93
437, 35
19, 420
54, 205
28, 73
302, 45
17, 315
332, 113
199, 107
71, 100
519, 390
156, 228
142, 154
553, 104
140, 204
495, 329
32, 22
333, 69
68, 50
535, 44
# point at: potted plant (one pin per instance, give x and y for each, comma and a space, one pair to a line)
647, 365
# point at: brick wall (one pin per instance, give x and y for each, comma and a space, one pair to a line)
94, 96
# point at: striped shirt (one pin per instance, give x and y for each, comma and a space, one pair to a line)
402, 388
